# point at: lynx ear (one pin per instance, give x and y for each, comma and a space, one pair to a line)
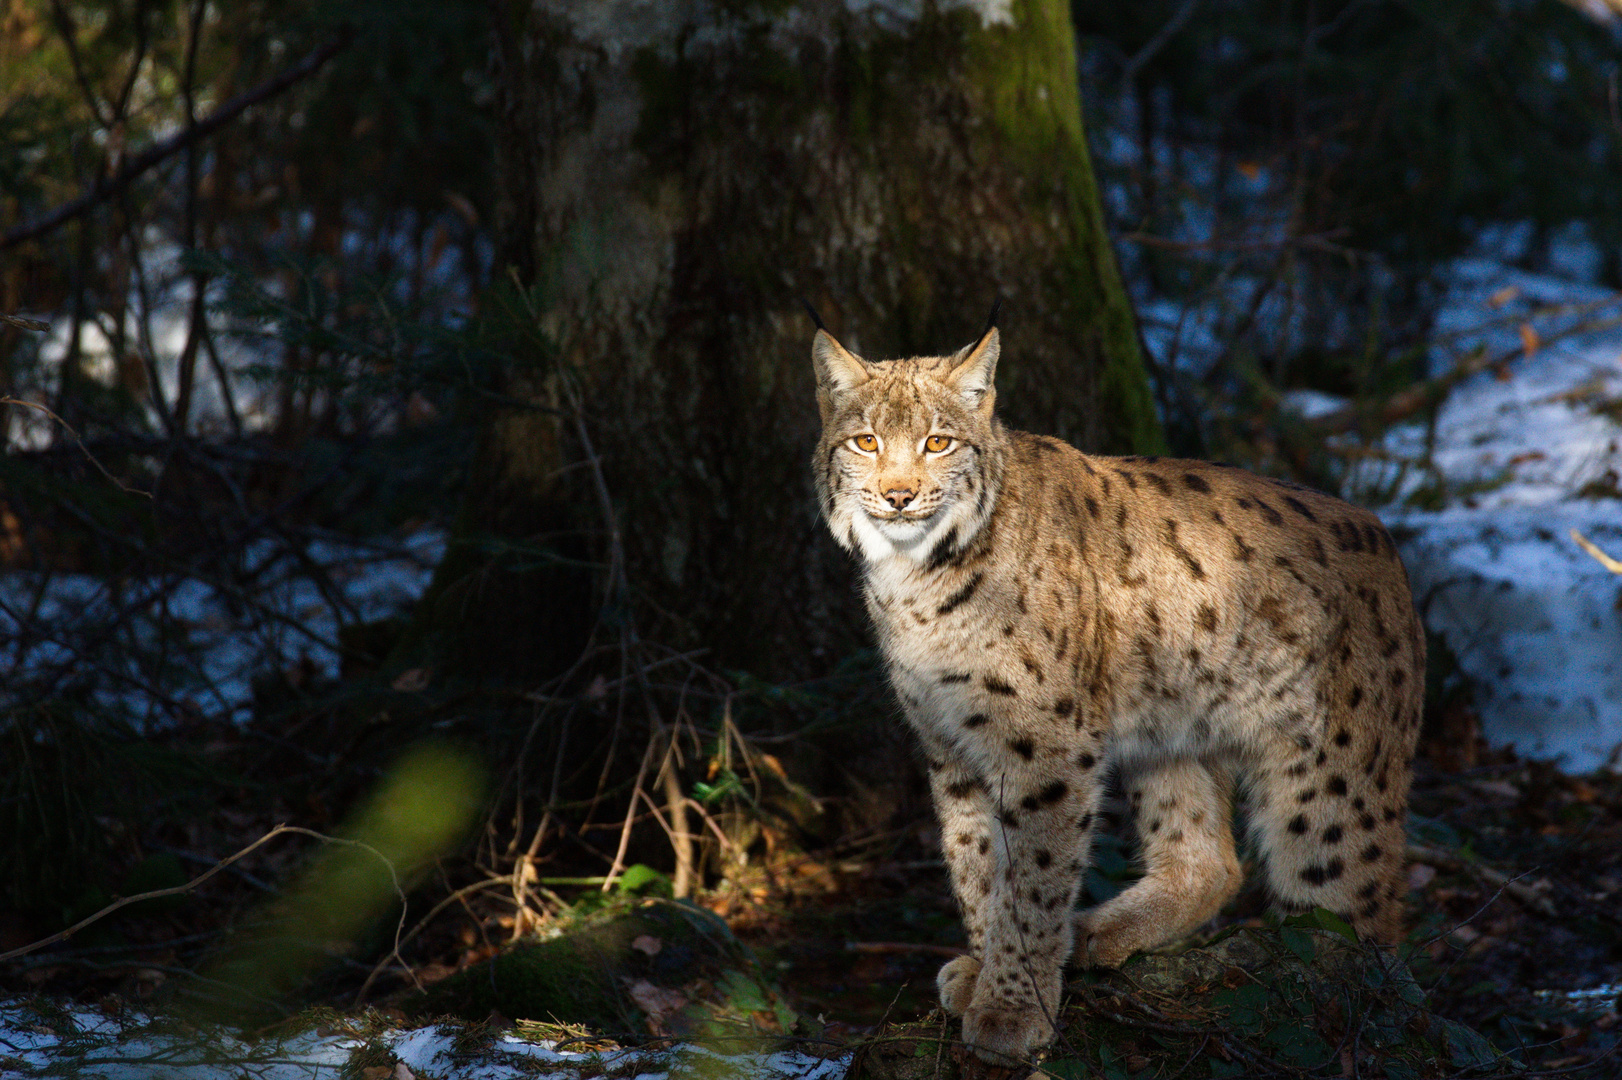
837, 369
974, 368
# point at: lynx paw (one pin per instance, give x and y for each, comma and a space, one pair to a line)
1004, 1036
956, 981
1101, 944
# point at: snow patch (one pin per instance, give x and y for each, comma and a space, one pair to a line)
203, 642
81, 1042
1534, 622
1483, 502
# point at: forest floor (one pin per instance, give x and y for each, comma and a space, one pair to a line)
1515, 915
1515, 912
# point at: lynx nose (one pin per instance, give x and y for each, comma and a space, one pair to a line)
899, 497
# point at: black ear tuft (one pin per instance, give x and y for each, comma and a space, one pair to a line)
811, 311
991, 320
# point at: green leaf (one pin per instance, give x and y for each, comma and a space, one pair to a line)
639, 878
1299, 942
1322, 919
743, 993
1300, 1045
1067, 1069
1465, 1046
1244, 1008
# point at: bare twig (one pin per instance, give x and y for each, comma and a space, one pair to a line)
1497, 879
1159, 41
25, 324
1428, 392
1613, 565
70, 40
105, 188
889, 948
625, 829
156, 894
69, 429
676, 806
422, 923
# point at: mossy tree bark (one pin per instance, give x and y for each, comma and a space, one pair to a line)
677, 176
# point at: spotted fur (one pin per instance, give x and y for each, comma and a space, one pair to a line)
1048, 616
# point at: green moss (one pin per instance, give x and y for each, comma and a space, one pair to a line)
1284, 1002
581, 977
1027, 73
1024, 76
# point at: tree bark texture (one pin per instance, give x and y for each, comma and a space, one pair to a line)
677, 175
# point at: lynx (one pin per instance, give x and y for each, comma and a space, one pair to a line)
1049, 618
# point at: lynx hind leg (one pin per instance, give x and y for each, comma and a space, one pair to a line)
1330, 826
1183, 816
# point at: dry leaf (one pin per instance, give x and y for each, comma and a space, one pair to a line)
1464, 935
411, 680
1529, 338
647, 943
657, 1002
1503, 296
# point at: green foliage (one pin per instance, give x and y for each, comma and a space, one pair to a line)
639, 879
1319, 919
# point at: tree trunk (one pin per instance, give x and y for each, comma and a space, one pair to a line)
678, 175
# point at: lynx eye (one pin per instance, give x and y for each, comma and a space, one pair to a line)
937, 444
867, 444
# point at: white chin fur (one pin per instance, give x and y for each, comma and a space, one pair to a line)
879, 540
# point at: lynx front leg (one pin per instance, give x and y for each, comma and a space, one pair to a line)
1044, 810
963, 809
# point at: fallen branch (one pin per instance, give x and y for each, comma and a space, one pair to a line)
179, 890
1428, 392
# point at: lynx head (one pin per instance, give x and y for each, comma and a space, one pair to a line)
911, 456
